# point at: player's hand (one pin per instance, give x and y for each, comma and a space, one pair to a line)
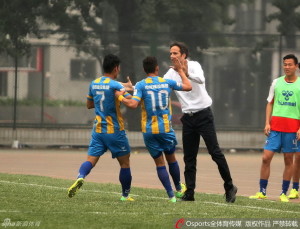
298, 135
267, 129
185, 66
177, 65
118, 93
128, 85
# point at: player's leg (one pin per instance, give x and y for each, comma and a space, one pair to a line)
190, 141
163, 176
264, 175
273, 144
96, 149
208, 132
287, 175
294, 193
155, 148
290, 146
169, 142
125, 177
87, 166
174, 171
118, 144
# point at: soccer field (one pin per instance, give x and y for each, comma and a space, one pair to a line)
43, 202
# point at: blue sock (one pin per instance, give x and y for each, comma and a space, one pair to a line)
175, 174
285, 186
296, 185
85, 169
165, 180
125, 179
263, 186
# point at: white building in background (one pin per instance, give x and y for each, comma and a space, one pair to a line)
62, 67
58, 65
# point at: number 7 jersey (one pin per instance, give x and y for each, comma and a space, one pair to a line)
154, 95
107, 108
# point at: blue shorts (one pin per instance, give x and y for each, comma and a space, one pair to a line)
282, 142
158, 143
117, 143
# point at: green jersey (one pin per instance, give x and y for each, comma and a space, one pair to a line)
287, 99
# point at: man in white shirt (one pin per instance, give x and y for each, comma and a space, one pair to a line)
197, 121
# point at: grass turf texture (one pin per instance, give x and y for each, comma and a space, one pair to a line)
44, 199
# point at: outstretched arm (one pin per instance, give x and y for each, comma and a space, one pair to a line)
127, 102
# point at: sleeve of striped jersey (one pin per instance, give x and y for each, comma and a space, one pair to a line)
120, 87
175, 85
137, 93
90, 94
126, 94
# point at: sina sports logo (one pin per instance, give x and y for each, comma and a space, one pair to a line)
287, 94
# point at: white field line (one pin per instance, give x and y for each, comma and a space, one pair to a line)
251, 207
116, 193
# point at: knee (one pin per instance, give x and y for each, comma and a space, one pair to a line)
297, 159
266, 160
288, 161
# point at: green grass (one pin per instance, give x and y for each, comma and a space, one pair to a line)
44, 199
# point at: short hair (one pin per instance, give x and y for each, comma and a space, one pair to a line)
149, 64
110, 62
291, 56
182, 46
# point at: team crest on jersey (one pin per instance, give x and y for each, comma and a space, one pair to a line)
287, 94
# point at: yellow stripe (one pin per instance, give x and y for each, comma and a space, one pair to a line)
119, 115
166, 123
98, 125
110, 125
155, 129
97, 80
170, 106
136, 97
90, 97
148, 80
144, 117
161, 79
107, 80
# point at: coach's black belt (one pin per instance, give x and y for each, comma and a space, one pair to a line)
195, 113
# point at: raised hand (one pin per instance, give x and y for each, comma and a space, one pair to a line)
177, 65
128, 85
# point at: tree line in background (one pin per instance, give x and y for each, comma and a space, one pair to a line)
84, 22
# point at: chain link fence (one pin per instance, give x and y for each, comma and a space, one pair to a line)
52, 82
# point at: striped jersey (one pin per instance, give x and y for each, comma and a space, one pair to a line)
107, 108
154, 95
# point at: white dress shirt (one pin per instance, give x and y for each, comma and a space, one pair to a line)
197, 99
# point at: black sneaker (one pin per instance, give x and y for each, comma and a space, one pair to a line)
230, 194
188, 197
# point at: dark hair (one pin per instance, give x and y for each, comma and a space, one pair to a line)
291, 56
110, 62
149, 64
182, 46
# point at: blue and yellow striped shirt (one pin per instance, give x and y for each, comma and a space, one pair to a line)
154, 94
107, 108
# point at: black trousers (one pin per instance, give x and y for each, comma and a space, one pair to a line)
194, 126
